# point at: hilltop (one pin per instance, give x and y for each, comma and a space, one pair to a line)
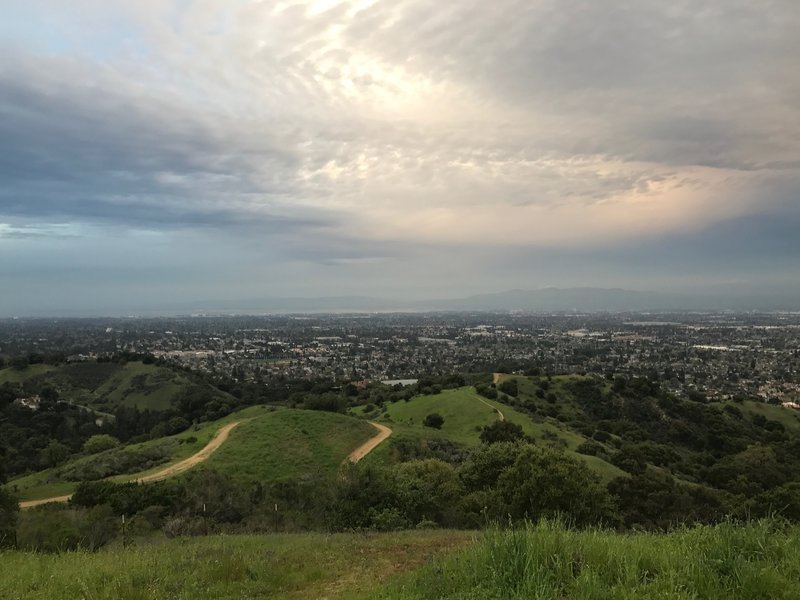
268, 444
465, 414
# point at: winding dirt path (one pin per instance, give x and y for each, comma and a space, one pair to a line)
500, 415
219, 438
370, 445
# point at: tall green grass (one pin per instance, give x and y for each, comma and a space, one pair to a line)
284, 566
549, 561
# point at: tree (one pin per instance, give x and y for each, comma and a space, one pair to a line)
100, 443
503, 431
485, 465
54, 454
428, 490
176, 425
544, 482
434, 420
510, 387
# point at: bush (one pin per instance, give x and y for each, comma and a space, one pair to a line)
486, 391
544, 482
389, 519
434, 420
117, 462
509, 386
61, 528
503, 431
590, 448
100, 443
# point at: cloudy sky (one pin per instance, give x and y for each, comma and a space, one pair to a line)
165, 151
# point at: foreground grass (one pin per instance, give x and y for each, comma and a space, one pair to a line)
547, 561
277, 566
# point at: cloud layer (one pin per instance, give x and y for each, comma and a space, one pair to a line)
404, 133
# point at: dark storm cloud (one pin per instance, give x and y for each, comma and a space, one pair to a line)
91, 151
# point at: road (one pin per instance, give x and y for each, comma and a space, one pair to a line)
170, 471
370, 445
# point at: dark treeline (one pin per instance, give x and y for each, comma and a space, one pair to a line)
504, 482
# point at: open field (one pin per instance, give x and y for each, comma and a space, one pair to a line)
548, 561
284, 566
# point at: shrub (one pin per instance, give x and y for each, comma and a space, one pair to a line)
502, 431
434, 420
389, 519
590, 448
100, 443
509, 386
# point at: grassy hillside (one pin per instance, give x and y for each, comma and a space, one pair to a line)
163, 452
11, 375
104, 386
548, 561
268, 445
291, 567
465, 413
788, 417
287, 443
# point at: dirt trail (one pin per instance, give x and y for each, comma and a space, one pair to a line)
194, 459
32, 503
500, 415
179, 467
370, 445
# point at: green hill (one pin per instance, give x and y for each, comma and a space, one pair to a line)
104, 386
288, 443
465, 413
124, 463
268, 445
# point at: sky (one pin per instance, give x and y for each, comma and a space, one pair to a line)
161, 152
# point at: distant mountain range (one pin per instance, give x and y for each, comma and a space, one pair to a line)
578, 299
